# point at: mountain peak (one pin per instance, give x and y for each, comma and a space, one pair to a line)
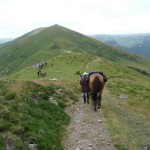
56, 26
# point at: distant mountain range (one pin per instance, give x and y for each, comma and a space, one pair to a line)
3, 40
136, 43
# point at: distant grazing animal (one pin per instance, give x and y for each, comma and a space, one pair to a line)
46, 63
96, 85
40, 65
41, 74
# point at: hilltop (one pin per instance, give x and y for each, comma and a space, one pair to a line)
45, 43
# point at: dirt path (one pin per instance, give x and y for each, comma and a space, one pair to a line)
86, 130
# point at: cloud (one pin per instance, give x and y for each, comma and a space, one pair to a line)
85, 16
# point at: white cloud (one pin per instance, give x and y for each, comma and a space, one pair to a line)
88, 17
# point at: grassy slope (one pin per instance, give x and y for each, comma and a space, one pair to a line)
45, 43
123, 116
127, 120
44, 123
61, 67
35, 47
27, 117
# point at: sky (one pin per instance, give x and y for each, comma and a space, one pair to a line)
88, 17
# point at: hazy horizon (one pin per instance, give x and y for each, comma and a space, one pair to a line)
5, 39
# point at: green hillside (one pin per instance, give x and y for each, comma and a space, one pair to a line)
44, 43
122, 116
27, 116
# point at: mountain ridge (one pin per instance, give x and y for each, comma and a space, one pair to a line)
44, 43
28, 117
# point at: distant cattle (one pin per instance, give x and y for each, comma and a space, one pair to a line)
41, 74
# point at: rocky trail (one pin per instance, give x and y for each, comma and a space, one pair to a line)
86, 130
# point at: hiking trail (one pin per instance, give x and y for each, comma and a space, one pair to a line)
86, 130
